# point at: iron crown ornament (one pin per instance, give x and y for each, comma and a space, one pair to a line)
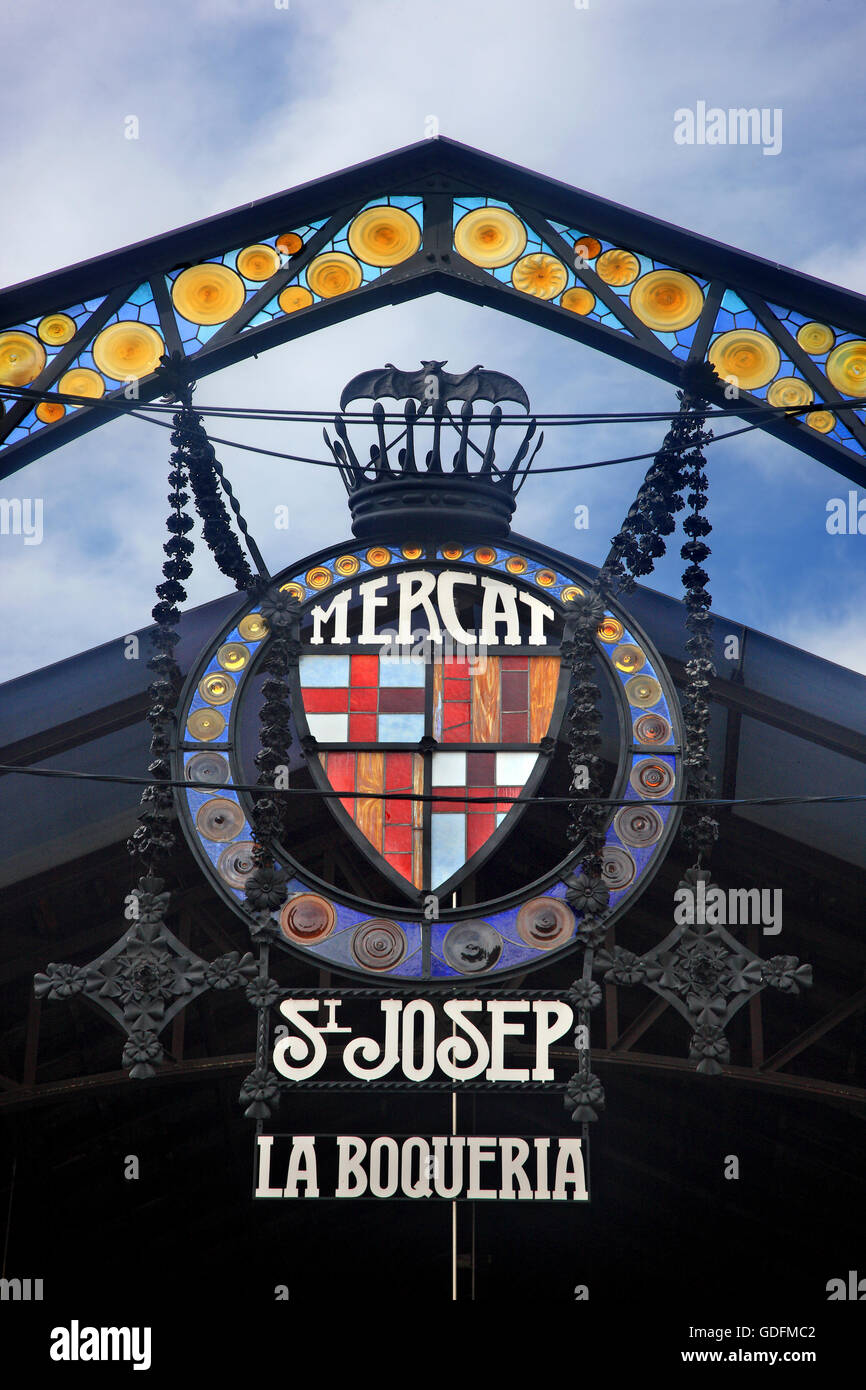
408, 491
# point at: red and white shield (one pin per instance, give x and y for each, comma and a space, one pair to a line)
487, 715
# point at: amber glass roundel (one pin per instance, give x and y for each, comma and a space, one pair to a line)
347, 565
253, 627
617, 267
378, 557
258, 262
667, 300
208, 293
790, 391
289, 244
643, 691
384, 236
490, 237
821, 420
81, 381
307, 918
49, 411
587, 247
216, 689
319, 577
128, 350
205, 724
22, 358
333, 273
55, 329
578, 300
846, 367
294, 297
610, 630
629, 658
540, 275
743, 353
233, 656
816, 338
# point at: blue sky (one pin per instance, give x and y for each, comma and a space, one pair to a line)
237, 99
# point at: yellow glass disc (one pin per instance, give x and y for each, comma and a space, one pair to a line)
490, 237
129, 349
587, 248
258, 262
296, 590
452, 552
628, 658
318, 578
81, 381
821, 420
289, 244
571, 593
49, 411
751, 357
233, 656
610, 630
545, 578
22, 358
816, 338
578, 300
216, 688
347, 564
253, 627
56, 328
294, 297
411, 552
666, 300
846, 367
643, 691
208, 293
205, 724
333, 273
384, 236
378, 557
515, 564
790, 390
618, 267
485, 555
541, 275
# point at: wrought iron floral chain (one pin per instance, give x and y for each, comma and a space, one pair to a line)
148, 975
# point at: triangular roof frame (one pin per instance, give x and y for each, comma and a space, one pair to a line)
436, 172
